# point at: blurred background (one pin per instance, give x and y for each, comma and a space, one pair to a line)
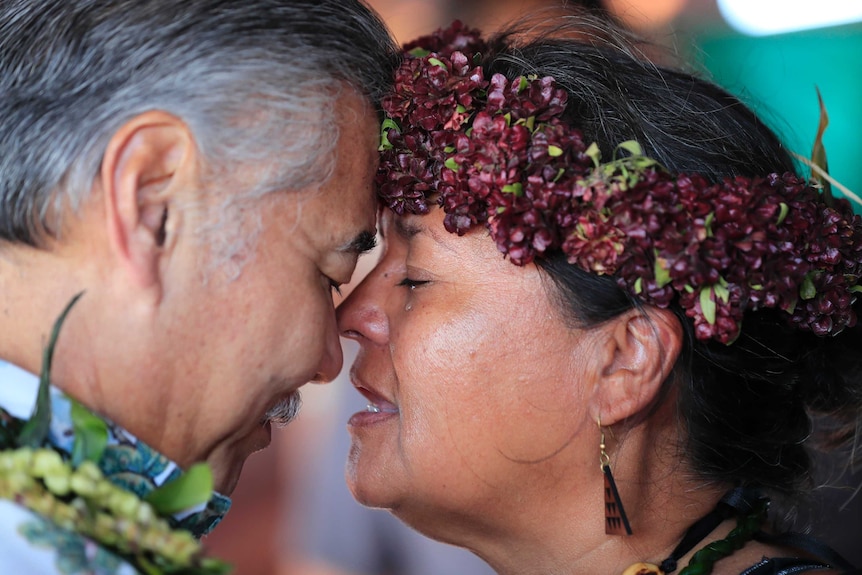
292, 513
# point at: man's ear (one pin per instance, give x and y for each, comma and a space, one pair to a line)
147, 164
638, 355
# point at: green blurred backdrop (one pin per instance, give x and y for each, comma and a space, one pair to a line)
778, 76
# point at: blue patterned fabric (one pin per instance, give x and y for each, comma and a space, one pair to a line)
29, 544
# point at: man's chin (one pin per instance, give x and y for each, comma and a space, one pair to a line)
226, 478
226, 471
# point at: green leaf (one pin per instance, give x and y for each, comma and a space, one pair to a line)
856, 289
555, 151
559, 175
148, 567
522, 84
452, 164
517, 188
707, 305
639, 286
632, 147
818, 152
385, 144
807, 289
508, 117
707, 223
91, 435
722, 292
460, 109
662, 274
35, 431
438, 63
388, 124
531, 123
214, 566
594, 154
449, 149
194, 487
783, 213
642, 162
419, 52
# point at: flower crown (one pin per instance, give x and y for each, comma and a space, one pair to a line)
496, 153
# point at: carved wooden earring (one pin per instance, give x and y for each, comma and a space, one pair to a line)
616, 521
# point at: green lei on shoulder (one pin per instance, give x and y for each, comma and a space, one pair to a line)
73, 493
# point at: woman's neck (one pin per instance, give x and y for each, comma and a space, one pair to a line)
563, 532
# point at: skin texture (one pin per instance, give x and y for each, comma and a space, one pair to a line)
487, 435
186, 357
437, 353
493, 390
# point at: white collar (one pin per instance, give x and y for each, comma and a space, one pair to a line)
18, 390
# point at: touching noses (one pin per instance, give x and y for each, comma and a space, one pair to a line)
361, 316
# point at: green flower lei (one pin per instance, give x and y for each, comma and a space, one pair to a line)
75, 495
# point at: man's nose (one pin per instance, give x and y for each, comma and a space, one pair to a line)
333, 357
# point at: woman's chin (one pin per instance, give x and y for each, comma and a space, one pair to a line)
369, 495
368, 488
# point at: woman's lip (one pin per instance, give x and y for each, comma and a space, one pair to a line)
381, 404
368, 417
374, 397
379, 408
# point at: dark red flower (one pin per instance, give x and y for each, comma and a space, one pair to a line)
496, 153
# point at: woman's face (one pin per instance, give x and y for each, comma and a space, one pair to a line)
479, 393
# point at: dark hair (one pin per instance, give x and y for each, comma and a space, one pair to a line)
255, 80
747, 407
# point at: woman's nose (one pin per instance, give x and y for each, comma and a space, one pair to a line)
362, 316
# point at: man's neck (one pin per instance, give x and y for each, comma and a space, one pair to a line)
35, 285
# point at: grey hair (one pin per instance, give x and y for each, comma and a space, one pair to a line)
255, 81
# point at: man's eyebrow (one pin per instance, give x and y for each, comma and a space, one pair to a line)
364, 242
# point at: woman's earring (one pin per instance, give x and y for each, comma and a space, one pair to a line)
616, 521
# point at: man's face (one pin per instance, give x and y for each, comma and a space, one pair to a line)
238, 346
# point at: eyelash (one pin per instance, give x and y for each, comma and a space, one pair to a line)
411, 284
334, 286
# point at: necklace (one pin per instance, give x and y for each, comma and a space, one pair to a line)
72, 493
749, 507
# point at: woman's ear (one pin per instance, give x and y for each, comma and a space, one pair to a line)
147, 166
638, 356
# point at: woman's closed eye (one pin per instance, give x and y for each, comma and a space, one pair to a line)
411, 283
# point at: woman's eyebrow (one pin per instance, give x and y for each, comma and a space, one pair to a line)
407, 229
